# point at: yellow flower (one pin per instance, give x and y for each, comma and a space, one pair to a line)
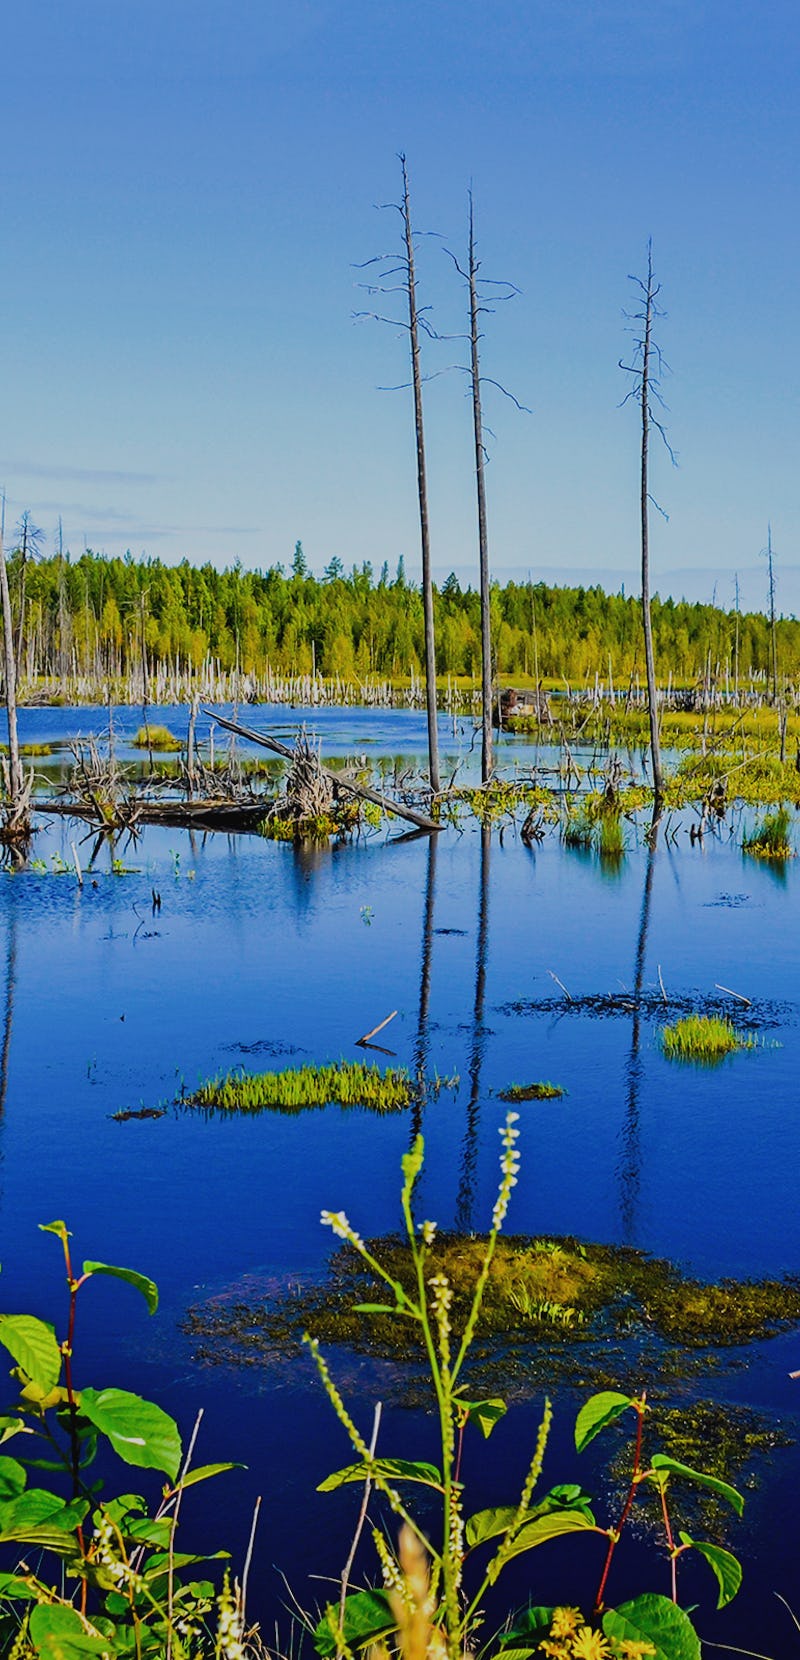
564, 1622
589, 1645
635, 1651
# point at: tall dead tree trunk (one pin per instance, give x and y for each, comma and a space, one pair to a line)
645, 389
422, 490
649, 657
10, 672
772, 626
487, 760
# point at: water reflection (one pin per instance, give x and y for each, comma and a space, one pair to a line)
629, 1169
8, 1007
422, 1045
469, 1148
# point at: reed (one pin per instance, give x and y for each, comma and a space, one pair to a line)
704, 1039
344, 1084
772, 838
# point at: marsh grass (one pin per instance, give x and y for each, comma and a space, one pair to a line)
156, 737
703, 1039
297, 1088
772, 838
531, 1092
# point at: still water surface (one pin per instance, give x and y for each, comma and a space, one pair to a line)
262, 955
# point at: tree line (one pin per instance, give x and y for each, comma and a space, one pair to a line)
100, 616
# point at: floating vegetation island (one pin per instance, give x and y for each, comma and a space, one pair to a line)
156, 737
703, 1039
538, 1288
531, 1092
772, 838
297, 1088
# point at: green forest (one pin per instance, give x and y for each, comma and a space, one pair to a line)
102, 617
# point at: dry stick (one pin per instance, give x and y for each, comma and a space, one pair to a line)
173, 1530
78, 871
376, 1029
661, 983
388, 806
737, 994
362, 1516
559, 983
248, 1559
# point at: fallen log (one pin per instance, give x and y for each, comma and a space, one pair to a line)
363, 790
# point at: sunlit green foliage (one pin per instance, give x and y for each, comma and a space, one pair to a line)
772, 838
347, 1084
704, 1039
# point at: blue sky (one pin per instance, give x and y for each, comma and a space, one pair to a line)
187, 188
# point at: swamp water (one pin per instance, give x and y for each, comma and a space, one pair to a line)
263, 956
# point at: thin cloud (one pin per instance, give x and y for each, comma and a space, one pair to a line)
78, 475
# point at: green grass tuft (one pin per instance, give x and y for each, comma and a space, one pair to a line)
156, 737
703, 1038
771, 839
347, 1084
531, 1092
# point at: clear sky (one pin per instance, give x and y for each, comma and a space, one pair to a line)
187, 185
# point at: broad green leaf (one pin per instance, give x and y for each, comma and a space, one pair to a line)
485, 1414
540, 1530
726, 1567
59, 1633
660, 1462
487, 1524
26, 1509
148, 1531
657, 1621
126, 1504
13, 1478
598, 1411
148, 1288
60, 1230
529, 1622
367, 1616
17, 1589
375, 1308
204, 1472
33, 1345
10, 1425
390, 1469
138, 1430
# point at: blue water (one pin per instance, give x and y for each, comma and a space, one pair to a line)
262, 955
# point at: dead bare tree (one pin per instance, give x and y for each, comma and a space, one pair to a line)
405, 266
477, 307
646, 369
29, 540
768, 554
15, 781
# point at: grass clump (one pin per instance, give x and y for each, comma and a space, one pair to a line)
704, 1039
771, 839
345, 1084
531, 1092
156, 737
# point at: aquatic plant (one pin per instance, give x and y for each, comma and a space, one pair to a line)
156, 737
134, 1593
771, 839
430, 1582
345, 1083
531, 1092
705, 1039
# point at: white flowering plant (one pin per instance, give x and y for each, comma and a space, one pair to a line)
430, 1605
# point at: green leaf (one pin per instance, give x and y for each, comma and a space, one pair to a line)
485, 1414
531, 1622
204, 1472
9, 1426
657, 1621
374, 1308
13, 1478
487, 1524
15, 1588
59, 1633
598, 1411
60, 1230
138, 1430
541, 1529
660, 1461
367, 1616
148, 1288
33, 1345
726, 1567
390, 1469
